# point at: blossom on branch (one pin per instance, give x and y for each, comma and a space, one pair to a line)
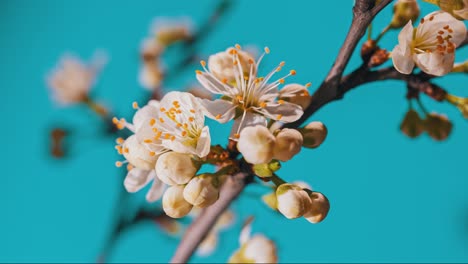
247, 98
430, 46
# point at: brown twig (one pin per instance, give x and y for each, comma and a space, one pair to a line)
363, 13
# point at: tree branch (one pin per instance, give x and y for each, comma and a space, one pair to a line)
363, 14
202, 225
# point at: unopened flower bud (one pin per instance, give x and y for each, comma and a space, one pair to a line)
314, 134
137, 155
222, 65
288, 144
438, 126
201, 191
175, 168
367, 49
293, 201
258, 249
256, 144
296, 94
412, 125
318, 209
404, 11
173, 202
457, 8
379, 57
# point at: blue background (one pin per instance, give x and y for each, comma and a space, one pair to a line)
393, 199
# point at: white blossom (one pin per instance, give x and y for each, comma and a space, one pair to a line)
252, 97
72, 79
179, 125
431, 46
254, 249
138, 178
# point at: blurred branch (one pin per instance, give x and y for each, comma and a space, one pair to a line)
363, 13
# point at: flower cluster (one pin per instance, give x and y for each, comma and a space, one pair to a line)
171, 142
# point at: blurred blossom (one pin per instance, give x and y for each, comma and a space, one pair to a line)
254, 249
72, 79
170, 30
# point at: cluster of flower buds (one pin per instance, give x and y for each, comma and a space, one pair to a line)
295, 200
437, 126
254, 249
163, 33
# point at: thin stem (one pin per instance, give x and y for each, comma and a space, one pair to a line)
385, 30
277, 180
422, 106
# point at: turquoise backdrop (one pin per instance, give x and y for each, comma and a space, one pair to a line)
393, 199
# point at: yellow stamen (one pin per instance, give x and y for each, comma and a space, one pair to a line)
135, 105
118, 164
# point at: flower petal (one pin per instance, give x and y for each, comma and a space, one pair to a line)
212, 84
204, 142
157, 189
284, 112
220, 110
248, 119
402, 60
435, 63
145, 113
136, 179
